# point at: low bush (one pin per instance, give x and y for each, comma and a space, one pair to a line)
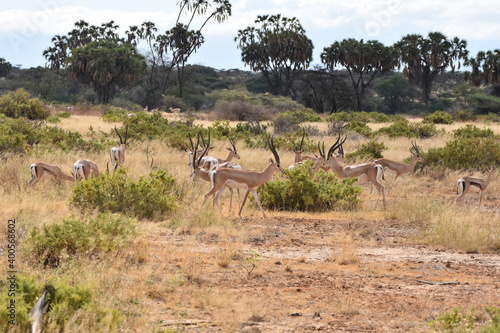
360, 128
465, 153
464, 115
115, 115
404, 128
241, 111
71, 306
438, 117
368, 151
472, 131
475, 320
362, 116
301, 191
151, 197
49, 244
19, 104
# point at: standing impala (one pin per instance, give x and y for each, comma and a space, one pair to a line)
117, 154
370, 170
298, 152
41, 170
401, 168
466, 183
250, 180
84, 169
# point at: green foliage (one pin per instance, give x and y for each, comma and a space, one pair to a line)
53, 120
465, 153
115, 115
289, 121
464, 115
438, 117
171, 101
286, 142
19, 136
305, 192
402, 127
70, 306
483, 104
64, 115
52, 243
151, 197
472, 131
19, 104
368, 151
459, 320
360, 128
361, 116
397, 94
492, 117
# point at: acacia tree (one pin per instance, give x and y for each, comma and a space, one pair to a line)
96, 56
425, 58
5, 67
363, 62
485, 68
279, 48
172, 49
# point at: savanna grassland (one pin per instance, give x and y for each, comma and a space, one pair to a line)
406, 268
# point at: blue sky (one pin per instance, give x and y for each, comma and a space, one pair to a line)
26, 27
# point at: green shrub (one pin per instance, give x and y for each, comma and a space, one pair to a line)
302, 192
459, 320
286, 142
492, 117
464, 115
362, 116
70, 306
151, 197
439, 117
53, 120
19, 104
171, 101
472, 131
360, 128
115, 115
64, 115
465, 153
50, 244
404, 128
483, 104
368, 151
289, 121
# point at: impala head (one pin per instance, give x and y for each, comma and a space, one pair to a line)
417, 153
233, 150
270, 143
197, 159
331, 151
122, 142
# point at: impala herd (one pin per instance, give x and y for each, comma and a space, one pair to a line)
222, 173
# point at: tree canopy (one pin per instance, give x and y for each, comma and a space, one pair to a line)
485, 68
96, 56
425, 58
362, 60
279, 48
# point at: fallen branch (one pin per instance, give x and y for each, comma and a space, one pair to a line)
438, 283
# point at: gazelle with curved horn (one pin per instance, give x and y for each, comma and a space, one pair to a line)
298, 151
204, 174
44, 170
467, 183
117, 154
371, 170
84, 169
401, 168
251, 180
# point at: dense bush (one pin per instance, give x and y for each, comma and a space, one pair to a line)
465, 153
362, 116
19, 136
459, 320
19, 104
74, 237
288, 141
242, 111
368, 151
301, 191
472, 131
404, 128
483, 104
151, 197
464, 115
115, 115
439, 117
71, 306
360, 128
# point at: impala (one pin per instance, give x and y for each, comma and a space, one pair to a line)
298, 152
250, 180
117, 154
401, 168
370, 170
84, 169
43, 170
467, 183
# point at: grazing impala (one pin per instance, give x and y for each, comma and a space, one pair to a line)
84, 169
401, 168
251, 180
371, 170
467, 183
43, 170
117, 154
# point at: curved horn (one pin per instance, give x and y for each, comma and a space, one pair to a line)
416, 147
191, 140
333, 147
118, 135
270, 142
319, 149
302, 141
206, 148
126, 134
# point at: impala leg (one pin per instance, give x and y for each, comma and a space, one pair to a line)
480, 198
214, 190
244, 200
231, 200
465, 189
217, 197
254, 193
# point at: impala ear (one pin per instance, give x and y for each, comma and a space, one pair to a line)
271, 160
228, 148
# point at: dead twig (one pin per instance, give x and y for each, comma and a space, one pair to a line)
438, 283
